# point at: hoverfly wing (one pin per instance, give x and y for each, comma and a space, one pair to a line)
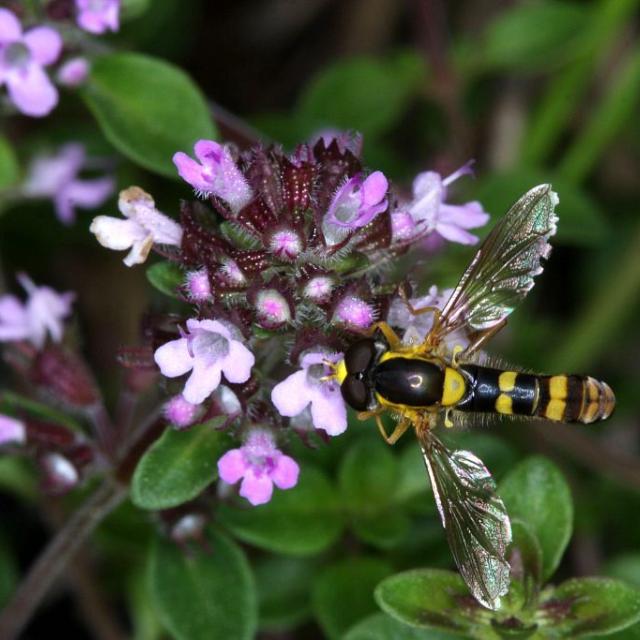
474, 517
502, 271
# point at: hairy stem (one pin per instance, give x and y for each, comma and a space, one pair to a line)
56, 556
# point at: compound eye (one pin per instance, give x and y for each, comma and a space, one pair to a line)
359, 356
354, 393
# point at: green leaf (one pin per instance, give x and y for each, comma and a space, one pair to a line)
533, 36
297, 522
626, 567
166, 277
343, 593
133, 9
284, 588
380, 626
430, 598
9, 168
536, 493
178, 466
525, 558
147, 108
11, 401
588, 606
368, 480
605, 123
581, 220
362, 94
204, 595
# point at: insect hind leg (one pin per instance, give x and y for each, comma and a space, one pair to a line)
390, 335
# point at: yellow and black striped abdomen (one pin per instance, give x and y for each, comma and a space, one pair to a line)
561, 398
570, 398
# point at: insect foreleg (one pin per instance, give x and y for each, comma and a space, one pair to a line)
390, 335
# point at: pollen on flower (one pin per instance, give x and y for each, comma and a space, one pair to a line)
181, 413
286, 244
198, 287
272, 308
354, 312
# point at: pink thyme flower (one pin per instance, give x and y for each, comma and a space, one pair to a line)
417, 327
22, 58
98, 16
12, 431
197, 285
208, 349
144, 227
355, 205
55, 176
74, 72
181, 413
215, 173
272, 309
42, 314
354, 313
307, 386
428, 211
260, 465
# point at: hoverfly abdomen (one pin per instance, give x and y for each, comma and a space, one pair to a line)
570, 398
409, 381
497, 391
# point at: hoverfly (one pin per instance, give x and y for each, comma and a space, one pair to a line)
424, 384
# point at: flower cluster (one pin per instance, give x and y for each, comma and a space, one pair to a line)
281, 254
25, 54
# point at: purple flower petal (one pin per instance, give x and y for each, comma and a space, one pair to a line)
86, 194
174, 359
232, 466
12, 430
10, 27
208, 151
238, 363
467, 216
190, 171
286, 472
453, 233
74, 72
328, 411
290, 396
257, 489
374, 188
31, 90
203, 381
44, 43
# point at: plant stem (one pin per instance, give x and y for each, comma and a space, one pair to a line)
56, 556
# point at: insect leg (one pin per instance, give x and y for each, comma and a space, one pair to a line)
387, 332
398, 432
417, 312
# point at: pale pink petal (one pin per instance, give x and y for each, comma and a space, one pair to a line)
12, 311
202, 382
427, 182
191, 172
256, 489
232, 466
285, 475
453, 233
174, 359
215, 326
328, 411
44, 43
31, 90
115, 233
374, 188
74, 72
291, 396
237, 364
12, 430
10, 27
467, 216
88, 194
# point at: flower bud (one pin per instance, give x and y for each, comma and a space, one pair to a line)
59, 475
354, 313
272, 309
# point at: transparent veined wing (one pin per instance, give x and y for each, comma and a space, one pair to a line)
502, 271
474, 517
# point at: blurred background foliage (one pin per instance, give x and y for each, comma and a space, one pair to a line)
542, 90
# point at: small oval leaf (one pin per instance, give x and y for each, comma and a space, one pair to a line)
380, 626
204, 595
178, 466
147, 108
300, 521
166, 277
343, 593
430, 598
588, 606
536, 492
